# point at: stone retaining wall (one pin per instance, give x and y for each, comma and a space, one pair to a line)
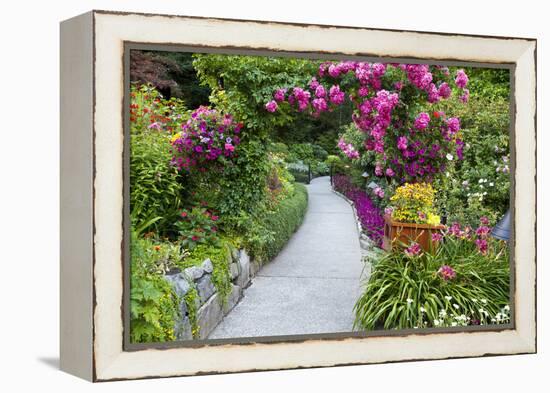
210, 310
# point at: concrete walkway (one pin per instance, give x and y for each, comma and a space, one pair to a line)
312, 285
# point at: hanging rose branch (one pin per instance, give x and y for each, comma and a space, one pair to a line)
390, 101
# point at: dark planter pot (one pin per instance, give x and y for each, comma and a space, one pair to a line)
398, 233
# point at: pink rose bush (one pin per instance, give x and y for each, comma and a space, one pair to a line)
406, 142
206, 138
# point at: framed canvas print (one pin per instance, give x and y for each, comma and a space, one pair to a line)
247, 195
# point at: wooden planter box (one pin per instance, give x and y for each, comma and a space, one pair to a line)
397, 233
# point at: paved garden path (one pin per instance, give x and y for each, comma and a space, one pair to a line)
312, 285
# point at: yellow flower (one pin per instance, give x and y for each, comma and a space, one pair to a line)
175, 137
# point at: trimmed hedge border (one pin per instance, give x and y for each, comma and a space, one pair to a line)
286, 220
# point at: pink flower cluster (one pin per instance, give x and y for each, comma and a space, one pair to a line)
480, 236
409, 149
482, 233
204, 138
461, 80
348, 149
446, 272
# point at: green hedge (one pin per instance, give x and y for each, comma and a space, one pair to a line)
281, 224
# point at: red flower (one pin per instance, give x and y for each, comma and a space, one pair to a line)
184, 214
436, 114
157, 248
214, 218
195, 238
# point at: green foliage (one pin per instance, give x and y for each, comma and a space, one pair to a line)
220, 255
278, 225
191, 300
197, 226
479, 185
407, 292
153, 303
155, 186
241, 85
243, 186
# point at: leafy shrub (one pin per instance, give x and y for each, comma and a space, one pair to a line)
155, 187
153, 302
457, 284
277, 226
198, 226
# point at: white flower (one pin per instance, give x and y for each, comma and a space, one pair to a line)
491, 184
485, 193
436, 322
454, 323
422, 309
493, 320
484, 301
409, 300
465, 183
449, 156
443, 313
448, 298
474, 300
456, 306
480, 181
481, 310
507, 307
447, 174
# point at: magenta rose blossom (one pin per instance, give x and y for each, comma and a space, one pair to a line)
402, 143
279, 95
336, 95
444, 90
271, 106
454, 124
461, 79
320, 92
465, 97
422, 121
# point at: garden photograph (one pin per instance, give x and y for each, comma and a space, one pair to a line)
276, 196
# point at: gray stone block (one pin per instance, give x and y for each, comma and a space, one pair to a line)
205, 287
209, 315
234, 270
207, 266
182, 329
233, 298
244, 270
194, 273
234, 254
179, 282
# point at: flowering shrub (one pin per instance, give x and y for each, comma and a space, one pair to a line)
150, 111
414, 202
454, 286
371, 220
206, 138
388, 99
198, 226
